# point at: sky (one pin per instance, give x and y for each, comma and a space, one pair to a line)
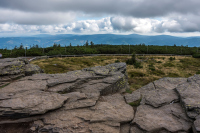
145, 17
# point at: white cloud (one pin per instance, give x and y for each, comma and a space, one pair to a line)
115, 24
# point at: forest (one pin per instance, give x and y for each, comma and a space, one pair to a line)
91, 48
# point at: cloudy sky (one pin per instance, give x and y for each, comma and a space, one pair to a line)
148, 17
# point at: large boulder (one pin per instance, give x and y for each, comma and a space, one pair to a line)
15, 68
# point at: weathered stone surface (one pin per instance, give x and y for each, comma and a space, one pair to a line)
135, 129
170, 117
157, 93
14, 68
196, 126
104, 117
80, 100
159, 97
112, 108
125, 128
31, 69
138, 94
31, 103
169, 83
189, 95
160, 109
77, 101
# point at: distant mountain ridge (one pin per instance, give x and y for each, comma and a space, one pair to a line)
113, 39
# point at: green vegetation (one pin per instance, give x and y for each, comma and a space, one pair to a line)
138, 77
172, 58
134, 62
91, 48
135, 103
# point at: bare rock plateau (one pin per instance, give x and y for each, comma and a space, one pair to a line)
93, 100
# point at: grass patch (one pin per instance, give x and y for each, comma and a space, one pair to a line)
135, 103
173, 75
136, 74
168, 64
129, 91
157, 73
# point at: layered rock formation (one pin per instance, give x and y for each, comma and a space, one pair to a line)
87, 100
168, 105
91, 101
14, 68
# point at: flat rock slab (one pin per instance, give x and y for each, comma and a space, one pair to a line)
33, 103
170, 117
112, 108
104, 117
169, 83
157, 93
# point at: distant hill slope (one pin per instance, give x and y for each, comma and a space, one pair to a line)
66, 39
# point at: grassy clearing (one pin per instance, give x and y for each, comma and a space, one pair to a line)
153, 67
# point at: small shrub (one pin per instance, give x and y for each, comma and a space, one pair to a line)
181, 60
116, 61
132, 60
138, 65
151, 67
159, 62
163, 58
198, 72
171, 58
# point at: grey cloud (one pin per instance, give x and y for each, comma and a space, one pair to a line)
135, 8
29, 18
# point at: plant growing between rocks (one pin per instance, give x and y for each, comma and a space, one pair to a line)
134, 62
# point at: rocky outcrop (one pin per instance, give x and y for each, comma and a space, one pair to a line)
91, 101
168, 105
87, 100
15, 68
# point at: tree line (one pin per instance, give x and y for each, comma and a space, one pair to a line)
91, 48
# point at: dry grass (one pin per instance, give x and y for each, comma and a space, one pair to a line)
154, 67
